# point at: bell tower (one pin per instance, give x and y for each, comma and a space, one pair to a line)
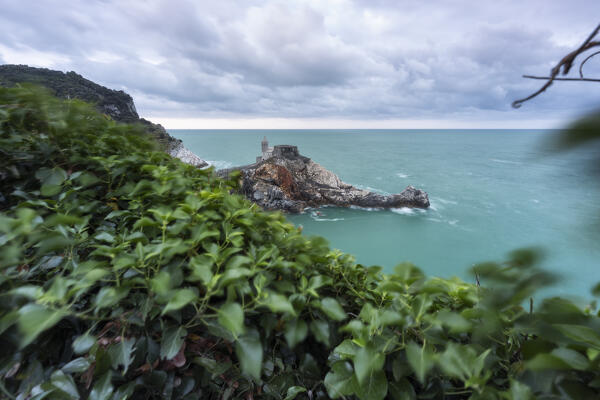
264, 145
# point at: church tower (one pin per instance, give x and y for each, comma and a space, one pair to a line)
264, 145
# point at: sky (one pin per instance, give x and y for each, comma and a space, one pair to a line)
317, 63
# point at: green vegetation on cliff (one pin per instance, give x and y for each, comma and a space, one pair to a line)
128, 274
115, 103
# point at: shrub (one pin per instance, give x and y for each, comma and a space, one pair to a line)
128, 274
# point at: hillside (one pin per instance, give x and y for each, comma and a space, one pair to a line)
115, 103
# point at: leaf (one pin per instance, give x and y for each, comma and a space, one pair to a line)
367, 362
172, 341
250, 353
34, 319
560, 359
201, 267
402, 390
180, 298
580, 333
109, 296
231, 317
320, 330
105, 237
83, 343
279, 303
346, 349
295, 332
103, 388
65, 384
77, 365
420, 359
294, 391
341, 380
332, 308
374, 388
54, 176
120, 354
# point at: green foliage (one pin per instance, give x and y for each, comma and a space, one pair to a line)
128, 274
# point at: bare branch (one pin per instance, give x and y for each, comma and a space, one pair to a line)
566, 63
584, 61
561, 79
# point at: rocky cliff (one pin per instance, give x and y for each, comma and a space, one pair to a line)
115, 103
291, 182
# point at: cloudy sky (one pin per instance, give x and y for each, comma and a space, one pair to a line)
315, 63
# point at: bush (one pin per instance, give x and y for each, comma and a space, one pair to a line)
128, 274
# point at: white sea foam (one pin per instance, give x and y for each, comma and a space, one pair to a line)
536, 201
401, 175
505, 161
219, 164
453, 222
403, 210
365, 208
444, 201
327, 219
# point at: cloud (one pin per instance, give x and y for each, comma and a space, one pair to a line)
372, 59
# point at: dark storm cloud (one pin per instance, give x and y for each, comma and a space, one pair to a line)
352, 59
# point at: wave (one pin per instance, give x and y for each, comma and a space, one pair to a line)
505, 161
365, 208
401, 175
407, 211
219, 164
327, 219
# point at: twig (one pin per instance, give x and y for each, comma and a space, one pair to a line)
562, 79
566, 63
584, 61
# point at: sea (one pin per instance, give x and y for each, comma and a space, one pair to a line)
491, 192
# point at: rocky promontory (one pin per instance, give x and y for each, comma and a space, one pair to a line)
282, 179
116, 104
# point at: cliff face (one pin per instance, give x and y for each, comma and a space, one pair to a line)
115, 103
291, 182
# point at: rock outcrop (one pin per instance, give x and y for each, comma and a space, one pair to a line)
115, 103
291, 182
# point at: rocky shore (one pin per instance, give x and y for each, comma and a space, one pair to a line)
285, 180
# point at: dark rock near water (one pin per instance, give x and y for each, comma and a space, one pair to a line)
115, 103
291, 182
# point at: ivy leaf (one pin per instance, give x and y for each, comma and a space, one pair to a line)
65, 384
77, 365
83, 343
341, 380
294, 391
332, 308
103, 389
34, 319
180, 298
320, 330
172, 341
402, 390
250, 353
295, 332
231, 317
367, 362
120, 354
420, 359
580, 333
109, 296
374, 388
279, 303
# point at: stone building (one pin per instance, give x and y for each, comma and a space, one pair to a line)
266, 151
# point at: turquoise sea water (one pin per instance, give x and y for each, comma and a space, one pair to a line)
491, 191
